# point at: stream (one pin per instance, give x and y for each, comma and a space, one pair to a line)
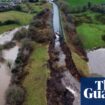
68, 81
9, 59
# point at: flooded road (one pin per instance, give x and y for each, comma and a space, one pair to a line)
97, 61
69, 82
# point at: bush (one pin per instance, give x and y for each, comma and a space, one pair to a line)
15, 95
65, 8
38, 23
38, 35
103, 37
9, 45
19, 35
18, 8
1, 47
100, 18
8, 22
26, 43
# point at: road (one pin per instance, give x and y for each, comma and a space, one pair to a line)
69, 82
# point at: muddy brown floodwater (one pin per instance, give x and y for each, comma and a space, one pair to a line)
97, 61
9, 59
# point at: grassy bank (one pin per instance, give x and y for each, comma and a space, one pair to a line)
35, 81
80, 63
78, 60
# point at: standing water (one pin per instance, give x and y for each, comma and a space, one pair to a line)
97, 61
6, 66
5, 71
69, 82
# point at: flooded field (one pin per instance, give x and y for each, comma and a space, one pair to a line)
97, 61
9, 57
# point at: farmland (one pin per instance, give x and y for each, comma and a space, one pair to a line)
90, 29
22, 17
75, 3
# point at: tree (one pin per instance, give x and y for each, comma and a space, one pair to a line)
15, 95
89, 5
103, 37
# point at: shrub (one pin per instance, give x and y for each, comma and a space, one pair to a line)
23, 33
8, 22
15, 95
8, 45
38, 23
38, 35
103, 37
26, 43
1, 47
65, 8
18, 8
100, 18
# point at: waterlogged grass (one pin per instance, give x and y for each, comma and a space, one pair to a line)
75, 3
91, 35
35, 81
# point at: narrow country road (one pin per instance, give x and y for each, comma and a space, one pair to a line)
69, 82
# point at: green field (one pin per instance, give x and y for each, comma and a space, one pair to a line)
24, 16
74, 3
35, 81
90, 29
91, 35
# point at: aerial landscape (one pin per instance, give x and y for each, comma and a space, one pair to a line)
46, 47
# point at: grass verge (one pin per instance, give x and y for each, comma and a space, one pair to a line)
35, 81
